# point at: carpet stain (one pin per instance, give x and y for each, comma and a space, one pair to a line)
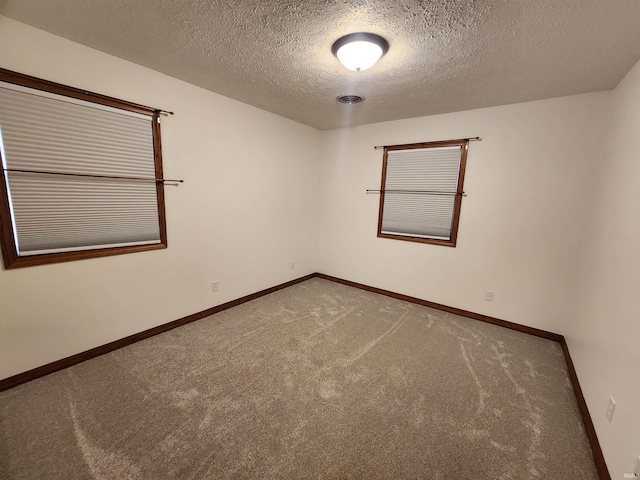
339, 315
103, 464
329, 389
365, 349
502, 448
533, 421
482, 394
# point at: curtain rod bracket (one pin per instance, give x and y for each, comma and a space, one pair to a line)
171, 183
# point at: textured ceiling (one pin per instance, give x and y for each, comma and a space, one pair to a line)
444, 56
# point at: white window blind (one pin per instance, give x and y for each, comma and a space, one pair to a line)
45, 132
420, 188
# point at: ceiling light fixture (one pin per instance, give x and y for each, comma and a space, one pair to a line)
359, 51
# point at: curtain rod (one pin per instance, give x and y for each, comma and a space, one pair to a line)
86, 175
419, 192
472, 139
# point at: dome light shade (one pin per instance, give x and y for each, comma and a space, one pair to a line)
359, 51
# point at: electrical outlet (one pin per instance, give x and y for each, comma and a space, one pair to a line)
214, 286
293, 265
488, 296
611, 408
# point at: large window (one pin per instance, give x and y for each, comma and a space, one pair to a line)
81, 174
421, 191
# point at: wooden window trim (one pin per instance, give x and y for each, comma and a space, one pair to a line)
7, 241
464, 143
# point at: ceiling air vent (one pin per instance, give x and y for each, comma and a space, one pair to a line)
350, 99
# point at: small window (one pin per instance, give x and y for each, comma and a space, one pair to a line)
421, 191
80, 174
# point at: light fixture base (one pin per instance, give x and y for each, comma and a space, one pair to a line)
360, 37
359, 51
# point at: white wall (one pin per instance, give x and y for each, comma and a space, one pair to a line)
604, 338
527, 181
245, 211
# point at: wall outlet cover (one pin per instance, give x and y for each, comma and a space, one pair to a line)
611, 407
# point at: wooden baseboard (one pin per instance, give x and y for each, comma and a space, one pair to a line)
457, 311
38, 372
598, 457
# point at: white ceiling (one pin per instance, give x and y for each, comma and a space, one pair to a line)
444, 56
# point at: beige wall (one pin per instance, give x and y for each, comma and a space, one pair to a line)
604, 336
527, 181
245, 211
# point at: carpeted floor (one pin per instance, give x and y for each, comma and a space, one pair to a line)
318, 380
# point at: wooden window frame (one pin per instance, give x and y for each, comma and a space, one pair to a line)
7, 241
464, 143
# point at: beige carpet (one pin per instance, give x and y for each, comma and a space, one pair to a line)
318, 380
